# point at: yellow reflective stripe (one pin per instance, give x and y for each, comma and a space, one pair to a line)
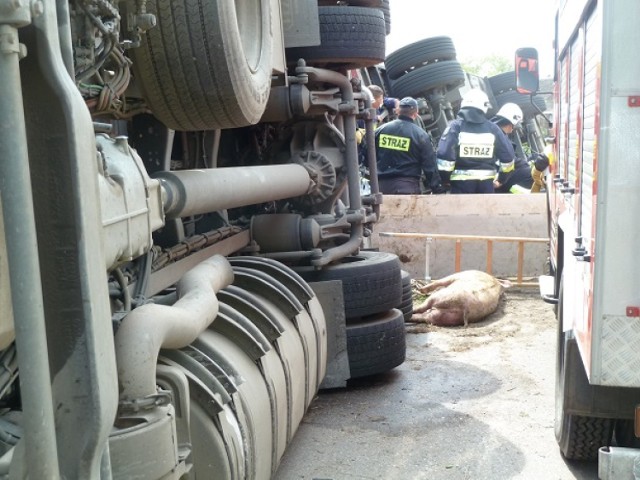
519, 190
446, 165
394, 143
473, 174
507, 167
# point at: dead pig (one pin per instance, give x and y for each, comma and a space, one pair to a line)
459, 299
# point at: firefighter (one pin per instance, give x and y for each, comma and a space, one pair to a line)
470, 147
404, 152
521, 179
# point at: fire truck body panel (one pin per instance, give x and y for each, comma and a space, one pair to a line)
594, 193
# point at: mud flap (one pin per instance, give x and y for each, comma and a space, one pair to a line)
329, 293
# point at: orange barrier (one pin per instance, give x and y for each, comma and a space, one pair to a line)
458, 255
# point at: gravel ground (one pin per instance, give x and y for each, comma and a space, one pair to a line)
468, 403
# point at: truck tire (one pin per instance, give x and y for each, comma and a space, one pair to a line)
371, 282
377, 344
523, 101
406, 305
447, 74
386, 11
382, 5
418, 54
207, 64
503, 82
351, 37
579, 437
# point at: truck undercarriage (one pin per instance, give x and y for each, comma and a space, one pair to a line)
166, 186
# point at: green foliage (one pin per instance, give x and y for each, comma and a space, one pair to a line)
488, 66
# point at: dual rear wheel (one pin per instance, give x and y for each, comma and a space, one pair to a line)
372, 286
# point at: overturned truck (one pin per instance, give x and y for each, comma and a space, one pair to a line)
181, 260
429, 70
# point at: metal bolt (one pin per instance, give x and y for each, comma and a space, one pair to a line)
122, 143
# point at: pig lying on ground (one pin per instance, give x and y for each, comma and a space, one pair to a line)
459, 299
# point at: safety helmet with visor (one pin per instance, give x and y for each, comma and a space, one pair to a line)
511, 112
476, 98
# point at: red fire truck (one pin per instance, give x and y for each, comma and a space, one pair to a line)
593, 190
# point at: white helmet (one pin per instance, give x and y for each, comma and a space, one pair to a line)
476, 98
511, 112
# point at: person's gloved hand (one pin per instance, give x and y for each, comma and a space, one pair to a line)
538, 179
438, 190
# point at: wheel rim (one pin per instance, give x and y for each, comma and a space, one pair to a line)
249, 21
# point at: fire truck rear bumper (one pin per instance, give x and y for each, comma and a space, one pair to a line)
618, 463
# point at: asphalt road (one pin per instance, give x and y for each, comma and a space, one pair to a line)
468, 403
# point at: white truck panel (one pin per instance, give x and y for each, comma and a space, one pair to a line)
600, 151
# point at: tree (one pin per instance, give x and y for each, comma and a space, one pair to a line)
487, 66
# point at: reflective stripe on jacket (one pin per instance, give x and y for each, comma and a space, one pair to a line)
473, 175
472, 143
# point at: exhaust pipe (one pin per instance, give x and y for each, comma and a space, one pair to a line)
151, 327
192, 192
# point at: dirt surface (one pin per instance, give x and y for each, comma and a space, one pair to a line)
468, 403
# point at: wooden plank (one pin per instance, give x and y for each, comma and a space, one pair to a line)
481, 238
463, 237
520, 260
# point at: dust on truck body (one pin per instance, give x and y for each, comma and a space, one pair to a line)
594, 202
181, 265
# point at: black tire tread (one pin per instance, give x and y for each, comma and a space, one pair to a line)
503, 82
522, 101
183, 73
351, 37
376, 345
370, 285
417, 54
447, 74
585, 436
579, 437
386, 11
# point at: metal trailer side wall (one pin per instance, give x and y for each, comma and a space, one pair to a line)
616, 240
599, 135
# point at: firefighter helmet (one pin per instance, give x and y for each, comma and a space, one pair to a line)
476, 98
511, 112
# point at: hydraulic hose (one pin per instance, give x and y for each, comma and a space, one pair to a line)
369, 138
351, 159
